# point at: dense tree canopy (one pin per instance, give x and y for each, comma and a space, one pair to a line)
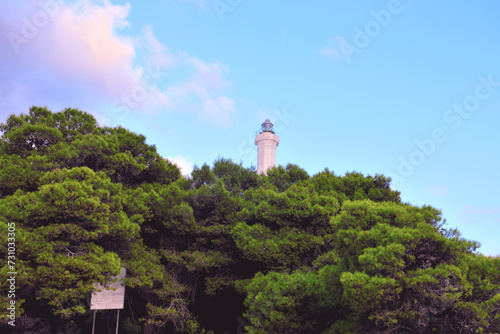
225, 250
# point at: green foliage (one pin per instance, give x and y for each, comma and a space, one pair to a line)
71, 138
18, 173
355, 186
275, 250
284, 303
236, 178
392, 268
193, 327
62, 186
76, 235
41, 129
299, 206
282, 178
202, 176
290, 252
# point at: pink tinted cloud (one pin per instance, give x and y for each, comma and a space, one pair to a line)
210, 75
473, 213
183, 163
439, 191
82, 46
159, 57
473, 210
51, 47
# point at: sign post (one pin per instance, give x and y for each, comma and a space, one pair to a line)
109, 298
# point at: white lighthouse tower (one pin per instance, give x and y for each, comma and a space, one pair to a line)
266, 142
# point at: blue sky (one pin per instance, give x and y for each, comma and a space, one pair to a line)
408, 89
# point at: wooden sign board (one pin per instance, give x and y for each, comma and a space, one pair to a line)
110, 298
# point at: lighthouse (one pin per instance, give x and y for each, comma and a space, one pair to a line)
266, 142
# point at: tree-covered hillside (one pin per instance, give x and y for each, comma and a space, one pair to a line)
225, 251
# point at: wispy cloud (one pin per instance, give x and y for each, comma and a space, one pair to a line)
332, 48
438, 191
202, 91
201, 3
83, 46
474, 213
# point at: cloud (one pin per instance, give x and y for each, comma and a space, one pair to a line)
332, 49
474, 214
437, 191
183, 163
472, 210
80, 55
208, 74
202, 91
330, 52
78, 44
201, 3
158, 54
